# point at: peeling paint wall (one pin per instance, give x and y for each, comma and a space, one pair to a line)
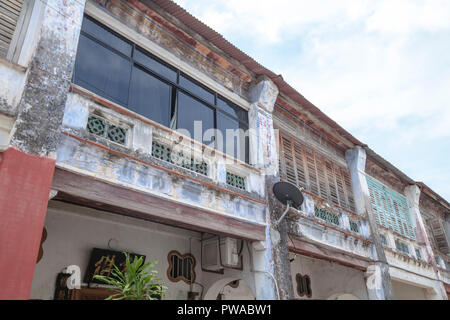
41, 108
12, 83
82, 157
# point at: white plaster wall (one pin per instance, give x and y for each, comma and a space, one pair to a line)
403, 291
12, 82
73, 231
6, 124
328, 279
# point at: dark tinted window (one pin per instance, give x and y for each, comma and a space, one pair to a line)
150, 97
190, 110
234, 139
232, 109
102, 70
196, 89
105, 36
118, 70
154, 65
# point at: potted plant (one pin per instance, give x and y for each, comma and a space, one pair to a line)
137, 282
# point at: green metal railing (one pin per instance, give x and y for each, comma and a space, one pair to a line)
327, 216
165, 153
354, 227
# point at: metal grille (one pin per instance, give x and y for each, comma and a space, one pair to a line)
9, 17
327, 216
116, 134
391, 208
101, 127
165, 153
354, 227
235, 181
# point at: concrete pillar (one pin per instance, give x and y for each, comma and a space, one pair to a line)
27, 166
378, 280
412, 194
270, 258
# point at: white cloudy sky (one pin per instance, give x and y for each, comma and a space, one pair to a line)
380, 68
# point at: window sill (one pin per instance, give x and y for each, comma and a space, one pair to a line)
13, 65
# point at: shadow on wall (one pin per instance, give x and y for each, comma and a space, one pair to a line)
229, 289
343, 296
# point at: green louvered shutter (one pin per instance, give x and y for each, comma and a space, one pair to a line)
391, 208
9, 17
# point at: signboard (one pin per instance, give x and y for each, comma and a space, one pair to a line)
101, 262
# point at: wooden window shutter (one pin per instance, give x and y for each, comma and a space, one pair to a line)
391, 208
304, 167
332, 183
301, 166
312, 173
10, 13
321, 175
288, 161
349, 189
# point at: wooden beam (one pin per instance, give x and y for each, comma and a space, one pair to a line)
98, 194
322, 253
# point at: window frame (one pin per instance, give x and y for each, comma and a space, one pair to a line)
389, 218
16, 45
314, 171
176, 87
181, 277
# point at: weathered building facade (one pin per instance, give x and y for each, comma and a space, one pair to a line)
112, 137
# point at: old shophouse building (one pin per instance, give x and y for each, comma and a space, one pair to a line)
102, 152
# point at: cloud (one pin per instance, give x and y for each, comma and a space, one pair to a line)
380, 68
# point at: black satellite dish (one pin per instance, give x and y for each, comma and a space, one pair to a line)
287, 193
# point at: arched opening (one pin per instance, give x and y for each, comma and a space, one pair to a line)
229, 289
343, 296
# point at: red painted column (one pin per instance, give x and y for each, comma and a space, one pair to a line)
25, 182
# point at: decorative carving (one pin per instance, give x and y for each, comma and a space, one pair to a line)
41, 250
303, 285
181, 267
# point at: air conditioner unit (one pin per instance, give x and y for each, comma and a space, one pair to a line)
228, 248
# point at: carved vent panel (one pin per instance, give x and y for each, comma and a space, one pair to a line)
303, 285
165, 153
235, 180
304, 167
354, 226
181, 267
391, 208
103, 128
326, 215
